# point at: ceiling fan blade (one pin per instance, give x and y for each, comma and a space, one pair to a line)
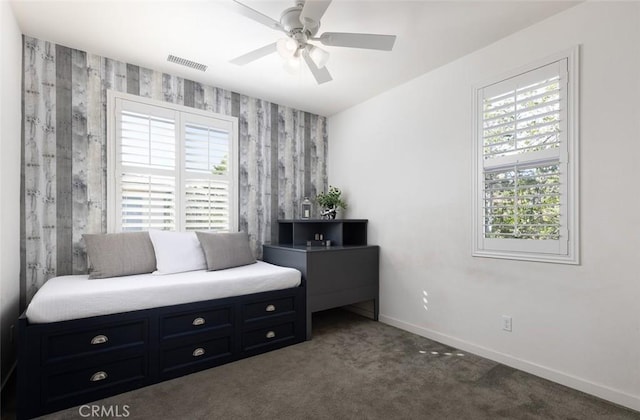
254, 55
321, 75
313, 10
253, 14
368, 41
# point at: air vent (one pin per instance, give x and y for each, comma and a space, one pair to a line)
185, 62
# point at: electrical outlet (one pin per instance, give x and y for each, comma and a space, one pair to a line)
506, 323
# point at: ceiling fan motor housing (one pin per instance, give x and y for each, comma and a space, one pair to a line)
290, 21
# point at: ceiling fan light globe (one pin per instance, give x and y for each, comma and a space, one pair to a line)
319, 56
292, 65
286, 47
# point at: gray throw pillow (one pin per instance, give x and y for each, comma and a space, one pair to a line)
119, 254
226, 250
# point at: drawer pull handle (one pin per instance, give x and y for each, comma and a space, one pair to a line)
98, 376
198, 321
271, 334
270, 308
99, 339
198, 352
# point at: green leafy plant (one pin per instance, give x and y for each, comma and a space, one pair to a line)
331, 199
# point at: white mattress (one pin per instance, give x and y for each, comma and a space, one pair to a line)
71, 297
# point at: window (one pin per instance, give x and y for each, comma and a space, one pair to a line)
525, 144
170, 167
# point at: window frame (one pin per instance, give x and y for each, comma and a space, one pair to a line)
167, 108
528, 249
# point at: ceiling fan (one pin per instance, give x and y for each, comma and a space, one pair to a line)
301, 24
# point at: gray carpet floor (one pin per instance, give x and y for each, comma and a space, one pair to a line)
355, 368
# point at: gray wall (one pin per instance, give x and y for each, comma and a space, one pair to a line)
282, 153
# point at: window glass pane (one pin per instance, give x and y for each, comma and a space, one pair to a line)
206, 149
147, 141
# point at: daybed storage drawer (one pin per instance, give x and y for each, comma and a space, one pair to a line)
266, 336
196, 321
267, 308
84, 380
198, 353
95, 339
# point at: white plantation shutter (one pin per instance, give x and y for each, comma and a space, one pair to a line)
207, 205
525, 119
522, 144
523, 202
148, 202
208, 185
173, 168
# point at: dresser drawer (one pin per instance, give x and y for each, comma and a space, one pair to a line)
94, 339
200, 352
100, 376
266, 308
268, 335
195, 321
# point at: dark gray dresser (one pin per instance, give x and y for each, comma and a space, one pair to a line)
344, 273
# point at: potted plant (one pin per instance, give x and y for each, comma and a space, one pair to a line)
330, 202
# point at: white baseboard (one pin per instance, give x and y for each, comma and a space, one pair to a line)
600, 391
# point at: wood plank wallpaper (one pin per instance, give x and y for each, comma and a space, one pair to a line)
282, 153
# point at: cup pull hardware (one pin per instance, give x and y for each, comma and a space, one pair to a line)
98, 376
198, 321
270, 308
198, 352
99, 339
270, 334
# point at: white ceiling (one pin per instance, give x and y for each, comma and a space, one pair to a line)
430, 34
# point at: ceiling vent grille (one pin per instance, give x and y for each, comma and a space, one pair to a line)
187, 63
